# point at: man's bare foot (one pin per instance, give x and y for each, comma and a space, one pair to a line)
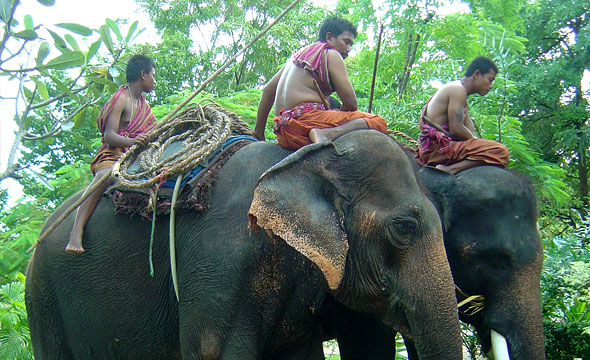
445, 168
75, 244
318, 135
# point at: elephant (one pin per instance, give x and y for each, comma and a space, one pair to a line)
489, 217
284, 234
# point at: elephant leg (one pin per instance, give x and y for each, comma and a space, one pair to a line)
46, 326
311, 349
411, 349
361, 336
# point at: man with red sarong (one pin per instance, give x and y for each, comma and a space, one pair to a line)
299, 92
124, 121
447, 135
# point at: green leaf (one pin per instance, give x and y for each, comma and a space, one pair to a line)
83, 141
132, 29
112, 86
105, 35
28, 22
60, 85
41, 89
42, 52
70, 39
76, 28
66, 61
28, 93
80, 118
59, 42
5, 9
26, 35
92, 50
49, 141
113, 25
47, 2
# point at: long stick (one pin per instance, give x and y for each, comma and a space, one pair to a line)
69, 210
116, 168
321, 94
375, 69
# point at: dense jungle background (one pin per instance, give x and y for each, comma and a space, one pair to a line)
63, 73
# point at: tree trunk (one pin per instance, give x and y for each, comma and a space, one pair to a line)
410, 59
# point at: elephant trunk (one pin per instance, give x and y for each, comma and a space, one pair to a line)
433, 320
515, 313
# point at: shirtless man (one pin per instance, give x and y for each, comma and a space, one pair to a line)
124, 121
447, 135
299, 92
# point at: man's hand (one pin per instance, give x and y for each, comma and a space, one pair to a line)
141, 139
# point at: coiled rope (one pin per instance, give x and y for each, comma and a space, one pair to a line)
200, 128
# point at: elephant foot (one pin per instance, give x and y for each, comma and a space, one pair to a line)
75, 244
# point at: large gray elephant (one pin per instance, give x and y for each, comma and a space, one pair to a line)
345, 220
489, 218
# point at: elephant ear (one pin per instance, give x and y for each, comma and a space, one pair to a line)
294, 200
440, 188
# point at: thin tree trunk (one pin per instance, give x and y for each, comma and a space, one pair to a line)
410, 59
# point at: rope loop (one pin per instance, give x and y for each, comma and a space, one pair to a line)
200, 129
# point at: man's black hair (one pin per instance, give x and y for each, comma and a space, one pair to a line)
481, 63
336, 25
136, 65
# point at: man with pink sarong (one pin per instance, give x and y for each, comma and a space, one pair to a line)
299, 93
447, 134
124, 121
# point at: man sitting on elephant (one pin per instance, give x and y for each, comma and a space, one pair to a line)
124, 121
447, 135
300, 89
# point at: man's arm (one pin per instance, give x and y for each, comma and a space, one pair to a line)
341, 82
111, 132
457, 128
267, 100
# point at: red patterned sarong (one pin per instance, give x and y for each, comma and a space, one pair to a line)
292, 126
143, 122
437, 147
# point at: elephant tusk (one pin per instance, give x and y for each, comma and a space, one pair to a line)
499, 346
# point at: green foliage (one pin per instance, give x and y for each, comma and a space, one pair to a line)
566, 341
15, 340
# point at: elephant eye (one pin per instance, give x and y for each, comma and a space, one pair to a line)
403, 232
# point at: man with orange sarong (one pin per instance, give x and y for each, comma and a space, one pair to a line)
447, 135
299, 92
124, 121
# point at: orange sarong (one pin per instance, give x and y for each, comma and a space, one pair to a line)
143, 122
439, 148
293, 132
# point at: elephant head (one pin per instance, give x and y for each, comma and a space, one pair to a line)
354, 208
489, 218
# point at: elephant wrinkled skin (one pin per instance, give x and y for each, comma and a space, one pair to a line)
345, 220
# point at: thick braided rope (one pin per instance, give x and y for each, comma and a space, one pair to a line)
202, 129
412, 142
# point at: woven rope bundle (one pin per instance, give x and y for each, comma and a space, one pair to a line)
201, 128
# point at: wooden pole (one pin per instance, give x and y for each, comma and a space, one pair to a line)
69, 210
375, 69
